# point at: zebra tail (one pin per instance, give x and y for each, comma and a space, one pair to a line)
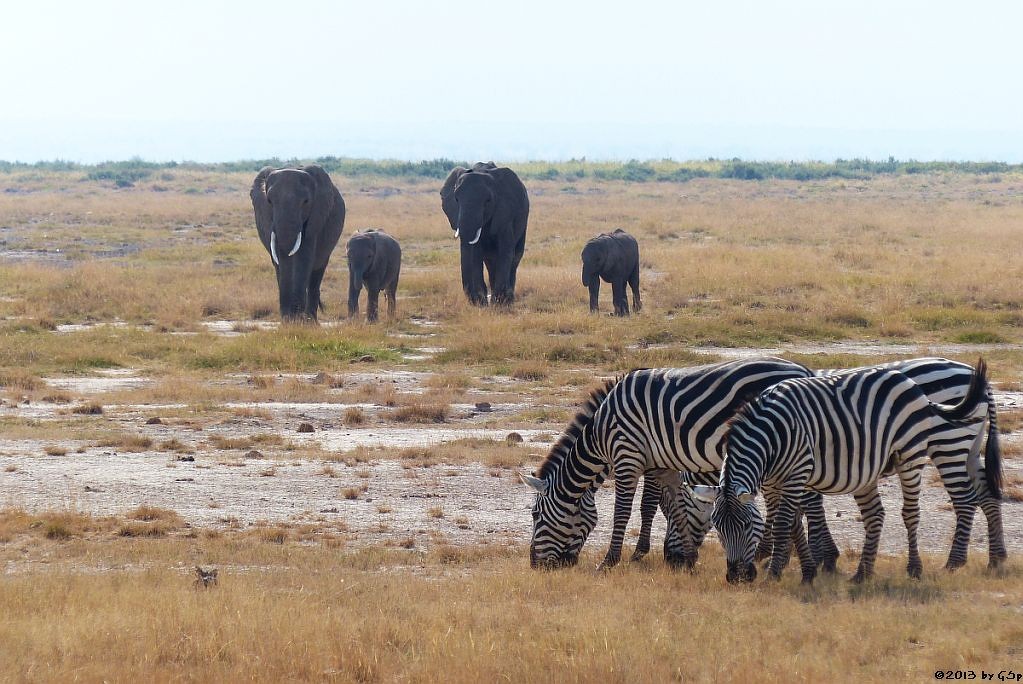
977, 393
992, 451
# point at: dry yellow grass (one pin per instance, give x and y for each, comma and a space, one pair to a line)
286, 609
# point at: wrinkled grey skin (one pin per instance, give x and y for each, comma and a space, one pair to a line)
374, 260
488, 208
615, 258
291, 203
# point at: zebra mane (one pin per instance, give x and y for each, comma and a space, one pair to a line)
563, 447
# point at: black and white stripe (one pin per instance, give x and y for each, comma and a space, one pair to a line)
658, 422
835, 434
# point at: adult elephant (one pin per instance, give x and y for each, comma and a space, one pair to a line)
299, 217
615, 258
487, 207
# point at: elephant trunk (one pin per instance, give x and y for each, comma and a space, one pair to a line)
469, 227
355, 273
294, 267
590, 273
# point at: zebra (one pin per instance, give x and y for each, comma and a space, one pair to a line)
834, 434
657, 420
943, 381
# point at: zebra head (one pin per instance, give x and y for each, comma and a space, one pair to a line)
557, 527
739, 525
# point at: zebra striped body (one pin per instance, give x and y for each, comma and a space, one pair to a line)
662, 420
835, 434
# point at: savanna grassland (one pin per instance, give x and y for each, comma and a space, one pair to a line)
152, 410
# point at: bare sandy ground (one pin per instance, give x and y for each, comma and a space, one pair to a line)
398, 501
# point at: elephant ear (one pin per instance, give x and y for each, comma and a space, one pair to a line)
260, 205
447, 195
323, 200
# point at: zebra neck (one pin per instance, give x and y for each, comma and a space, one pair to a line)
579, 472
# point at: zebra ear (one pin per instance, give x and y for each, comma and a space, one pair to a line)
706, 493
534, 482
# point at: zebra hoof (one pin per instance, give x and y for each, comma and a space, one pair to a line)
677, 562
915, 571
953, 565
637, 556
860, 577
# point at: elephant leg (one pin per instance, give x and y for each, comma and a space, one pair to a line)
637, 304
520, 248
594, 293
500, 276
488, 265
392, 298
372, 301
313, 303
621, 301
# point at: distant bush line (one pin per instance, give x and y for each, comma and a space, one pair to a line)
127, 173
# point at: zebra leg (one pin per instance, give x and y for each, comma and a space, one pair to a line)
764, 550
964, 502
784, 531
651, 498
674, 549
825, 551
807, 564
872, 513
910, 480
992, 508
626, 480
687, 555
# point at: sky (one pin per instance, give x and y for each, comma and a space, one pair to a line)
511, 81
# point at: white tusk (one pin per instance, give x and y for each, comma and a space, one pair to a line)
298, 243
456, 233
477, 238
273, 248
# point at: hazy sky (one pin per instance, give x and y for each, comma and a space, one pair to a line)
511, 80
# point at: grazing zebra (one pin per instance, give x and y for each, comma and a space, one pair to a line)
835, 434
943, 381
554, 546
660, 420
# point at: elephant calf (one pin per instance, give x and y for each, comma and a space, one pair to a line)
374, 260
615, 258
